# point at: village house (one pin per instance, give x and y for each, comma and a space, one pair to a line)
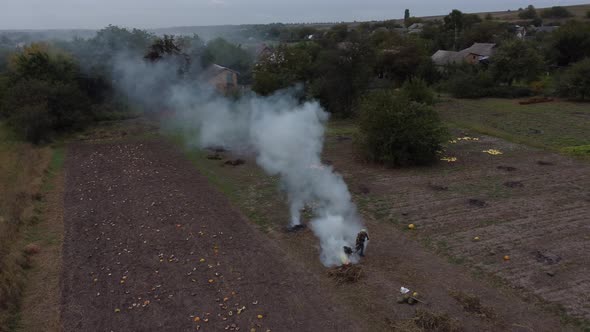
475, 54
223, 79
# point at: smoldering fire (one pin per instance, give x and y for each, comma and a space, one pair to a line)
285, 135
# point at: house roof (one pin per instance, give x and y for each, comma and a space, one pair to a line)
442, 57
215, 69
416, 26
482, 49
546, 28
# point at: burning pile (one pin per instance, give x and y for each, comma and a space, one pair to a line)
347, 273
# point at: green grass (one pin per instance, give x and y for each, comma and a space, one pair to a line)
341, 128
558, 126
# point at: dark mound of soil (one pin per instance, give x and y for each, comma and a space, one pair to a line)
216, 149
472, 304
546, 257
514, 184
437, 187
347, 273
477, 202
296, 228
215, 156
364, 189
235, 162
544, 163
507, 168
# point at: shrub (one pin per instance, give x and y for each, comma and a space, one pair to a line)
588, 14
470, 84
38, 109
397, 132
505, 91
575, 83
528, 14
417, 90
556, 12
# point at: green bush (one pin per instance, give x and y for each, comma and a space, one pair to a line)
575, 82
417, 90
556, 12
398, 132
470, 84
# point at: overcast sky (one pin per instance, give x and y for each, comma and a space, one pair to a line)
58, 14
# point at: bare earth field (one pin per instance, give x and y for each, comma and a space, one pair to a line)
528, 204
139, 217
150, 246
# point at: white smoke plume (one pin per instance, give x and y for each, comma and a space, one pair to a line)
284, 134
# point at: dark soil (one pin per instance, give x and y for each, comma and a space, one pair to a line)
437, 187
476, 202
544, 163
546, 257
514, 184
151, 246
235, 162
507, 168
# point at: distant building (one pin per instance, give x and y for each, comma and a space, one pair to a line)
223, 79
415, 28
545, 29
476, 53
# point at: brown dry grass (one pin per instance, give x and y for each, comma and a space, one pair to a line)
427, 321
472, 304
346, 273
22, 168
40, 309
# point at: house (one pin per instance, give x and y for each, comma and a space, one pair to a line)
416, 28
223, 79
475, 54
445, 58
263, 50
478, 52
545, 29
521, 31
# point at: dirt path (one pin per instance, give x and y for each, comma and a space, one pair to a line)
150, 246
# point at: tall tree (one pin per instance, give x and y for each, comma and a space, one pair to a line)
406, 17
516, 60
454, 22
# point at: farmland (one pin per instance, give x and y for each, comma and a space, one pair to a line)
527, 203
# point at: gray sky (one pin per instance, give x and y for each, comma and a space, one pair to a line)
57, 14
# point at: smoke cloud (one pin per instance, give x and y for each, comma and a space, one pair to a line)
284, 134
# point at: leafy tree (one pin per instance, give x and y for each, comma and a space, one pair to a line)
570, 43
454, 22
168, 48
516, 60
575, 82
398, 132
406, 15
40, 61
485, 32
556, 12
417, 90
283, 67
229, 55
529, 13
341, 76
402, 62
44, 96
